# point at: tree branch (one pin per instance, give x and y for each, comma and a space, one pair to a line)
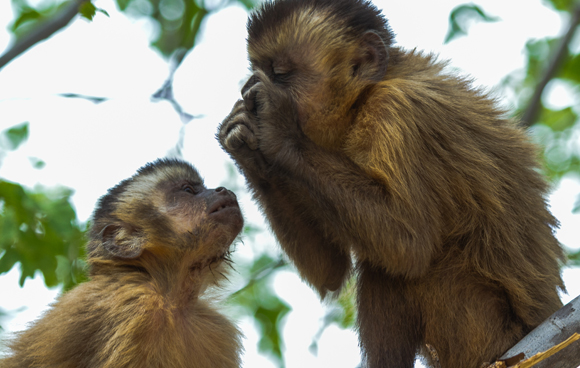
42, 31
531, 113
559, 327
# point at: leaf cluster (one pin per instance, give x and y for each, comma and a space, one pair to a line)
258, 300
38, 228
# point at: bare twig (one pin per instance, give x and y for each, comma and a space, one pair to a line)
531, 113
42, 31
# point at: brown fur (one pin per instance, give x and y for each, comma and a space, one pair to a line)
153, 250
356, 148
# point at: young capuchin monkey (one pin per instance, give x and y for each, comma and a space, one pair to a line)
365, 156
157, 241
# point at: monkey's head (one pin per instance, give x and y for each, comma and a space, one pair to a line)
324, 54
163, 212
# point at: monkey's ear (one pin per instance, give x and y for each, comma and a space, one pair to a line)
121, 241
371, 62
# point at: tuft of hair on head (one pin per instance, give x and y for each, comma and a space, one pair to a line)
359, 16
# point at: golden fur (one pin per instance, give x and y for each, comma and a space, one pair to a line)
143, 306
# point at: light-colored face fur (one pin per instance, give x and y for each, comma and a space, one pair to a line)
166, 209
156, 188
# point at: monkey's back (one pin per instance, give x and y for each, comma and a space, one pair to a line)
446, 152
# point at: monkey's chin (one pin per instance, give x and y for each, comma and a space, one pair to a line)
212, 262
228, 222
227, 215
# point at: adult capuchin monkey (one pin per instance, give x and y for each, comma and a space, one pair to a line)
157, 241
362, 153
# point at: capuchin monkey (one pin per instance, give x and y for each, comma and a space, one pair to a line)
157, 241
370, 159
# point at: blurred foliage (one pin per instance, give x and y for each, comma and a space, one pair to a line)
39, 229
574, 258
88, 10
563, 5
28, 17
462, 17
258, 300
556, 130
177, 22
341, 311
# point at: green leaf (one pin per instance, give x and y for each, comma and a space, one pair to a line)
39, 230
123, 4
26, 15
15, 136
259, 300
103, 11
37, 163
88, 10
462, 16
268, 319
565, 5
571, 69
8, 260
558, 120
574, 259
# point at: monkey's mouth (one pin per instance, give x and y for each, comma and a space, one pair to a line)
225, 211
223, 204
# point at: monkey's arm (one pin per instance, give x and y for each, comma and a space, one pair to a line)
350, 207
319, 259
356, 210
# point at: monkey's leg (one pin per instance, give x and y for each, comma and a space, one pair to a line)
389, 321
467, 318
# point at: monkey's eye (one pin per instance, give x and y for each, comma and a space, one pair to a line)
280, 70
189, 189
281, 75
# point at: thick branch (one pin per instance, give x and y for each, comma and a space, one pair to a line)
530, 115
559, 327
42, 31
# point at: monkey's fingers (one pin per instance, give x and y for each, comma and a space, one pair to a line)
250, 83
238, 108
250, 96
225, 125
239, 133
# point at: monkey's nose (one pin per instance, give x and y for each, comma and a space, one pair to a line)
225, 191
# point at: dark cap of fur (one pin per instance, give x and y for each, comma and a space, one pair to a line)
360, 16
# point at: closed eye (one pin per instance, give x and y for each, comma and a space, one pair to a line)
280, 71
282, 76
189, 189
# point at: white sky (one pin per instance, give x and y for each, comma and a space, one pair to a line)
91, 147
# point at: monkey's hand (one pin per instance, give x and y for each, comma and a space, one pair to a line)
238, 129
281, 140
238, 135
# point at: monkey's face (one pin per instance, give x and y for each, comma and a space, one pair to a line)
322, 70
200, 215
166, 209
